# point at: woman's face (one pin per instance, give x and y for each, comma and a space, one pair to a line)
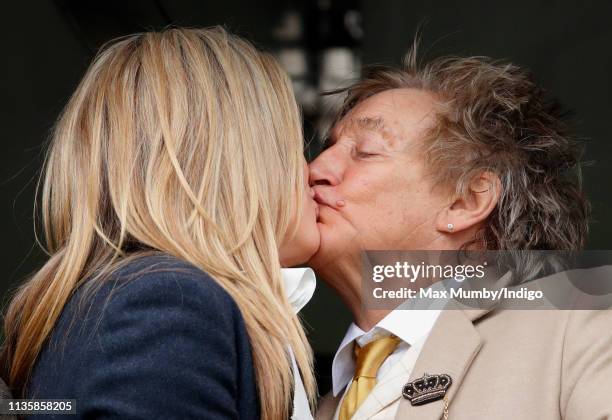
305, 242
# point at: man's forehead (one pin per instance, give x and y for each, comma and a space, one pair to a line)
390, 113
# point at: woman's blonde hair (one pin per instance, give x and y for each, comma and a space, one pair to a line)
185, 141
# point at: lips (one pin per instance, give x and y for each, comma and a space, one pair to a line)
319, 199
322, 201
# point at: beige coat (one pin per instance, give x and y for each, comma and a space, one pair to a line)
506, 364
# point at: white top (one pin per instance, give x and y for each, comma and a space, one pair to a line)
300, 284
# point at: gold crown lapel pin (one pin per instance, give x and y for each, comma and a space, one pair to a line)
427, 388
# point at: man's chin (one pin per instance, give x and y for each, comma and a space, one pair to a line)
339, 242
331, 255
319, 260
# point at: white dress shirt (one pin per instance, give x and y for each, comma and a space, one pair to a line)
300, 284
411, 326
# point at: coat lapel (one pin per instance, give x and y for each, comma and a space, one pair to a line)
450, 349
454, 331
389, 388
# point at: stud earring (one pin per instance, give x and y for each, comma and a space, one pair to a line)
450, 227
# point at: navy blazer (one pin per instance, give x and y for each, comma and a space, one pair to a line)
159, 340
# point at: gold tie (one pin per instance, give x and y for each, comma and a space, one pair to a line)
368, 360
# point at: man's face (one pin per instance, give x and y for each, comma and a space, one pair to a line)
371, 181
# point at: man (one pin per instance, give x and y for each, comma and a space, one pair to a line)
463, 152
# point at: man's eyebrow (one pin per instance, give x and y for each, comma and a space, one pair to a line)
375, 124
369, 123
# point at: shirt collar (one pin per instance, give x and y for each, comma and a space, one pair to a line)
409, 325
300, 284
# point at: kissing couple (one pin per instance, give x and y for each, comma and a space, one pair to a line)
176, 198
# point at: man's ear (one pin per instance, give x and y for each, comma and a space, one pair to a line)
476, 205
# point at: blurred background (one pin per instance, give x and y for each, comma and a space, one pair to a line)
47, 45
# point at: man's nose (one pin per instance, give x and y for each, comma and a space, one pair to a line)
325, 170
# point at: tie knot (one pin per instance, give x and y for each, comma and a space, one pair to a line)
372, 355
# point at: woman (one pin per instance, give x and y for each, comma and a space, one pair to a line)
174, 191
